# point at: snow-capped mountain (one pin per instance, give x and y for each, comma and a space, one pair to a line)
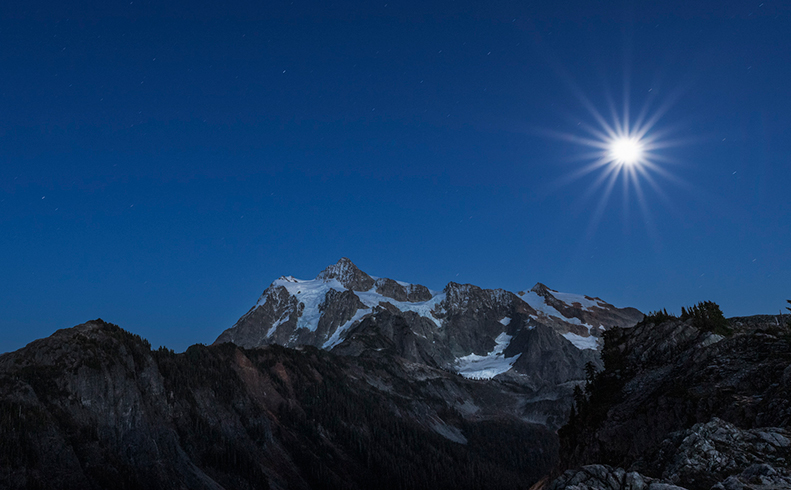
539, 335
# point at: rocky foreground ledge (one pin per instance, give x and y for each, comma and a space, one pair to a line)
717, 450
679, 406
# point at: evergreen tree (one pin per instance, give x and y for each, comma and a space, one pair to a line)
707, 315
579, 399
590, 374
788, 321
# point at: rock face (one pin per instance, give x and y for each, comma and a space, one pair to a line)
720, 455
413, 293
348, 275
93, 407
714, 455
603, 477
688, 407
294, 312
540, 339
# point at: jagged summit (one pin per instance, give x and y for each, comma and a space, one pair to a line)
348, 274
475, 331
541, 289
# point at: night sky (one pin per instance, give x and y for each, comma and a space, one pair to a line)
162, 162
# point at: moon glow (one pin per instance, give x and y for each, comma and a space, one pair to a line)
626, 150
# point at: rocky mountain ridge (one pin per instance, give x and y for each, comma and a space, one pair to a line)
689, 403
93, 407
680, 406
461, 320
539, 338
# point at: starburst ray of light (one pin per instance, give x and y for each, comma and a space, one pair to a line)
623, 148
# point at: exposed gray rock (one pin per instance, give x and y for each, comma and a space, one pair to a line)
346, 273
391, 289
416, 293
603, 477
547, 358
711, 453
690, 407
460, 321
756, 477
279, 311
413, 293
407, 335
337, 309
597, 313
471, 316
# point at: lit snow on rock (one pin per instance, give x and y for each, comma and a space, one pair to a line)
371, 298
474, 366
538, 303
581, 342
570, 299
336, 339
311, 293
283, 319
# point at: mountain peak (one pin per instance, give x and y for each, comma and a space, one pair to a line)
346, 273
541, 289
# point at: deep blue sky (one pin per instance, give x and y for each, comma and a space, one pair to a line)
162, 164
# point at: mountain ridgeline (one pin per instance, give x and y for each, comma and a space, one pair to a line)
93, 407
348, 381
539, 339
344, 381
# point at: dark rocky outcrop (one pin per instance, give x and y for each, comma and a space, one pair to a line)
547, 358
93, 407
714, 455
413, 293
603, 477
280, 311
406, 335
472, 316
338, 308
688, 407
708, 455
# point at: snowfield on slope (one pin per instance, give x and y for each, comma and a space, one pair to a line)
474, 366
312, 293
581, 342
570, 299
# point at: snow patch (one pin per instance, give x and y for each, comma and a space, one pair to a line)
283, 319
506, 321
537, 303
474, 366
371, 299
311, 293
335, 339
570, 299
581, 342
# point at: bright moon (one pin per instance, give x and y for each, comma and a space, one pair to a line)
626, 150
621, 149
